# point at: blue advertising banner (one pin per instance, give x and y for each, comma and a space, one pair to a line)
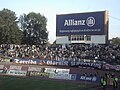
73, 76
93, 79
58, 62
40, 62
91, 23
86, 64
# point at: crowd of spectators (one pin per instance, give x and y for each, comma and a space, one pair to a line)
107, 53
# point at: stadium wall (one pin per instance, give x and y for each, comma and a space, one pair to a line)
62, 40
101, 39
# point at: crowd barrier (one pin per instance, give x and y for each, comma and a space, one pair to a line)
52, 73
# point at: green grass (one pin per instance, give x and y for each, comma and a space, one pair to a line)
15, 83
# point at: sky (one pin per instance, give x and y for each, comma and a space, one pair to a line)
50, 8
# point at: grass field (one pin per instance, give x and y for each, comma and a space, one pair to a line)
16, 83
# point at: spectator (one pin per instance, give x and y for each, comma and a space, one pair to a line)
106, 53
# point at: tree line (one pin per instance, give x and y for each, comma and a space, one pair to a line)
26, 29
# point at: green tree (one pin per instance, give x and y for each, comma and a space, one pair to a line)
116, 41
34, 29
9, 30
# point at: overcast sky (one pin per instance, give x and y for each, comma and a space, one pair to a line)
49, 8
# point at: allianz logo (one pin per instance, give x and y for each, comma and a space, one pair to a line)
90, 21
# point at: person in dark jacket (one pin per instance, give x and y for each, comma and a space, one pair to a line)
115, 83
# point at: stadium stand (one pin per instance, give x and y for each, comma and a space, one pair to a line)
104, 53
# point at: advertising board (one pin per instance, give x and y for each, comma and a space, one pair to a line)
62, 71
1, 71
41, 62
60, 76
50, 70
88, 78
57, 70
87, 64
39, 74
12, 67
73, 76
91, 23
111, 67
16, 73
1, 66
34, 69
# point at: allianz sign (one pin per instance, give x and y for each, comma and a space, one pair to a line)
90, 21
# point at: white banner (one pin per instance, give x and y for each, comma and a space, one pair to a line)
34, 69
50, 70
1, 66
15, 67
57, 70
62, 71
16, 73
60, 76
1, 71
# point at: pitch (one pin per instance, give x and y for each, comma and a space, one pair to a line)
17, 83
